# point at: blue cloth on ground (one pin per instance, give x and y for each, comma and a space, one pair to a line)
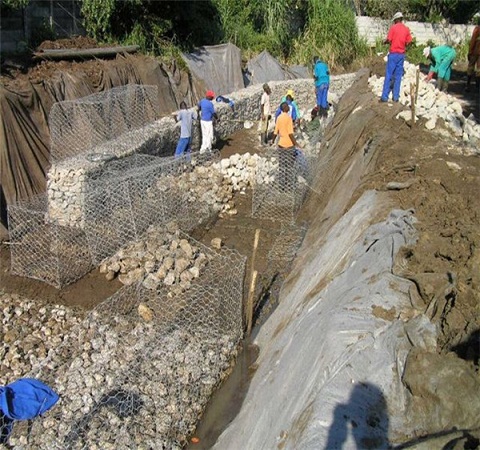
223, 99
24, 399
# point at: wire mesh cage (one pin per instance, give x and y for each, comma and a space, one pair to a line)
140, 369
44, 250
99, 118
279, 195
138, 192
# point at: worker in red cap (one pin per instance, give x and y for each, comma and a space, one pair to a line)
207, 117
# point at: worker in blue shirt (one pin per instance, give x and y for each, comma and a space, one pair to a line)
207, 116
321, 74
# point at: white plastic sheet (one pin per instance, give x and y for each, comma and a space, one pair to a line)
332, 353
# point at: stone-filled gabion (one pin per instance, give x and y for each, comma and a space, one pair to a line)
136, 193
140, 369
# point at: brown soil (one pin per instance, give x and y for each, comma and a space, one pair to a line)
80, 42
18, 70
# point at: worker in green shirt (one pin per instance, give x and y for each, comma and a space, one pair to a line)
441, 58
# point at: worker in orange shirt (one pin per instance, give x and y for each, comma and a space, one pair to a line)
474, 55
287, 146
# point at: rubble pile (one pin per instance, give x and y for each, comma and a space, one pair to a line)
432, 105
164, 257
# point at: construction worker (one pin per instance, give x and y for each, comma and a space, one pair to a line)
399, 38
292, 111
321, 74
441, 58
207, 116
265, 114
294, 104
185, 117
474, 55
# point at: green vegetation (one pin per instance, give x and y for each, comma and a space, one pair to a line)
433, 11
330, 33
291, 30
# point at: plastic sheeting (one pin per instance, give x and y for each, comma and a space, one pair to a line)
264, 68
24, 132
332, 353
218, 67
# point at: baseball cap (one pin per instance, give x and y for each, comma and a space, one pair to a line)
426, 52
210, 94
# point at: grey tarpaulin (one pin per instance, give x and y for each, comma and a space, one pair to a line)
219, 67
264, 67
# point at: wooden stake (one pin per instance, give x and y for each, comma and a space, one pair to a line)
253, 280
251, 291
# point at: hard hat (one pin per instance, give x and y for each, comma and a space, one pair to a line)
210, 94
291, 93
426, 52
397, 15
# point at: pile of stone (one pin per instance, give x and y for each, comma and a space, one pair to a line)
65, 194
214, 185
29, 331
164, 257
432, 105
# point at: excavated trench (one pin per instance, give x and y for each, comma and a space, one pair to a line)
361, 152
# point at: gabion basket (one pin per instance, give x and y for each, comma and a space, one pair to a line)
139, 370
279, 196
99, 118
138, 192
44, 250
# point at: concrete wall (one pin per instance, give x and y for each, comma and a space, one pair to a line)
20, 26
371, 29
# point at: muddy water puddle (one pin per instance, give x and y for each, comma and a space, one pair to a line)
227, 400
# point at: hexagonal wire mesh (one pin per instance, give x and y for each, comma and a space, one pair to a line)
140, 369
99, 118
43, 249
138, 192
280, 195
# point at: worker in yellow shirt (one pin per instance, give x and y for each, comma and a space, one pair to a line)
287, 146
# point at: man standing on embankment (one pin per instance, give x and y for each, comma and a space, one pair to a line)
398, 37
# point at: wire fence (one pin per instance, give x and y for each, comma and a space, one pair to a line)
79, 126
140, 369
